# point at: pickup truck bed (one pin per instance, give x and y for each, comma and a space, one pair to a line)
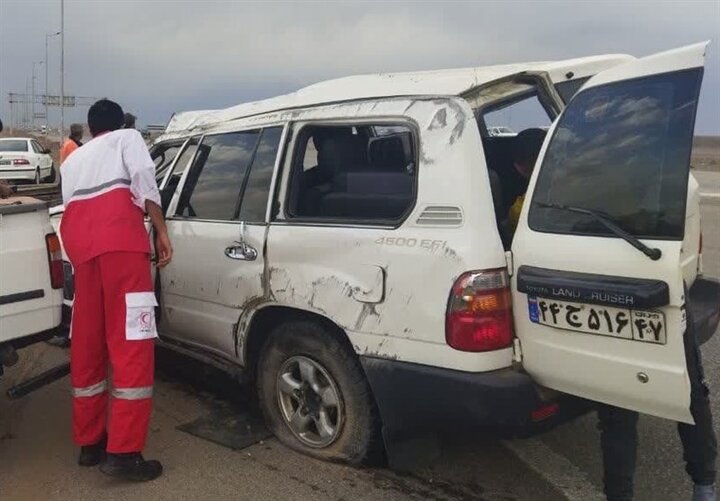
29, 304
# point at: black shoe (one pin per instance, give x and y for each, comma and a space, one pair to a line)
92, 455
131, 467
59, 341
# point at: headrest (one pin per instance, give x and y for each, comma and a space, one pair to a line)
341, 151
394, 151
528, 144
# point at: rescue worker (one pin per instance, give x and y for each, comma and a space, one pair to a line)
73, 142
108, 187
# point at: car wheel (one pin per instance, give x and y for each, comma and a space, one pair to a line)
53, 175
37, 176
315, 396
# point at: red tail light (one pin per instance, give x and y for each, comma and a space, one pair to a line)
55, 263
479, 315
20, 161
544, 412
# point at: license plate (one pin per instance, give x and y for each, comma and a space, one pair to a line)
4, 162
638, 325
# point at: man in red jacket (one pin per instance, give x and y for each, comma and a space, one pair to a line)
108, 187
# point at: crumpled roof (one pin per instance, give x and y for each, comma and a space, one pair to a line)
451, 82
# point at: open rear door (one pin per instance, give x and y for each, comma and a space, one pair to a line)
598, 290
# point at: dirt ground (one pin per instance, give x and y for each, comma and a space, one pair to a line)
706, 153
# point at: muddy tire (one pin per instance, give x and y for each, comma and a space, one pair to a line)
53, 175
315, 396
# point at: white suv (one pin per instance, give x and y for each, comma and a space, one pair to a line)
340, 247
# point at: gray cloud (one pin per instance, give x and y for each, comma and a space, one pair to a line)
157, 57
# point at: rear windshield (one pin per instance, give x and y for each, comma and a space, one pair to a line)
622, 149
13, 145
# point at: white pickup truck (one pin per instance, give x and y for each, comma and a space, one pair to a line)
31, 276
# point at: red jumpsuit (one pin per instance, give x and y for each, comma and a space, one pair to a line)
105, 185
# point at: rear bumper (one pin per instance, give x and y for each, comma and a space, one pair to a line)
704, 304
24, 174
416, 399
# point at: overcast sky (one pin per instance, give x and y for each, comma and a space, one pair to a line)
157, 57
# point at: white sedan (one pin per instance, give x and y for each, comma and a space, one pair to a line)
25, 159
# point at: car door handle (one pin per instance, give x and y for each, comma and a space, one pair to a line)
241, 252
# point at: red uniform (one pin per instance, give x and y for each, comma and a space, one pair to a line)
105, 186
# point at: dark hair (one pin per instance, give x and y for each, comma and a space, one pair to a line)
76, 130
527, 146
105, 116
129, 120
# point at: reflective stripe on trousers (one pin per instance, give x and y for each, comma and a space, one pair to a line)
133, 393
90, 391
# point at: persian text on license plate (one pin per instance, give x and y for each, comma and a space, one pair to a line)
639, 325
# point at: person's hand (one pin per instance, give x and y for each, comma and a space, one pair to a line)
163, 249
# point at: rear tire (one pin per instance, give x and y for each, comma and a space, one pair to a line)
347, 428
53, 175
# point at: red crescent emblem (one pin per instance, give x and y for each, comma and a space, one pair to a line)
145, 319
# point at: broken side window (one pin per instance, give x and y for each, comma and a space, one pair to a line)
353, 173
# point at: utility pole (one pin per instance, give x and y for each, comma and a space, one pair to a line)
26, 118
33, 93
62, 68
47, 116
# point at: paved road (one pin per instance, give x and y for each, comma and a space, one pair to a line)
37, 458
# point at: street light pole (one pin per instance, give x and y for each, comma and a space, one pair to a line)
47, 116
33, 93
62, 68
26, 119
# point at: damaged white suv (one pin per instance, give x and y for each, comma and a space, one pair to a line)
340, 247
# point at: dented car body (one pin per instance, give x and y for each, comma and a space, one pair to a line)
341, 247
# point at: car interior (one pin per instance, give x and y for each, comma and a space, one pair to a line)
500, 150
360, 173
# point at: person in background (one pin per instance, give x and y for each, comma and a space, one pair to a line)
129, 121
72, 143
527, 148
108, 188
619, 435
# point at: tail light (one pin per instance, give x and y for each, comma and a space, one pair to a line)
544, 412
20, 161
55, 261
479, 314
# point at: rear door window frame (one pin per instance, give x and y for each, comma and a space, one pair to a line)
296, 156
533, 224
